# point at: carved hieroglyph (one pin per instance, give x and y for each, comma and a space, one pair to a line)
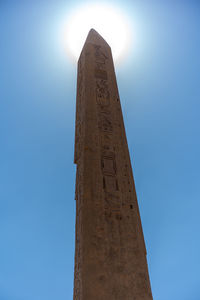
110, 255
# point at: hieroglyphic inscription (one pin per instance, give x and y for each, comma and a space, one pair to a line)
108, 165
105, 124
99, 73
100, 55
112, 202
109, 171
102, 93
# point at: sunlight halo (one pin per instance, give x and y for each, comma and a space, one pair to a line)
107, 20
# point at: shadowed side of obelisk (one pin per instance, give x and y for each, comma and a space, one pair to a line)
110, 255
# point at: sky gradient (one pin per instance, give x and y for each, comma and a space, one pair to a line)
159, 85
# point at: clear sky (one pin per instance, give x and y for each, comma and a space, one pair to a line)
159, 84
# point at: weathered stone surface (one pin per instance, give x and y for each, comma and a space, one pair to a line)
110, 255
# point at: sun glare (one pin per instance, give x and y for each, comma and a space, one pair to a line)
109, 21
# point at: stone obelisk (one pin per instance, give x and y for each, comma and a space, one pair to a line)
110, 255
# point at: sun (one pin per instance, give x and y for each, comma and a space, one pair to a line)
109, 21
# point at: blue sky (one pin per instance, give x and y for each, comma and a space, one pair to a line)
159, 86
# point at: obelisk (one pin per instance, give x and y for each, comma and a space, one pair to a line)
110, 254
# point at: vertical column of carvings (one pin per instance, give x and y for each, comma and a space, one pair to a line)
78, 159
109, 172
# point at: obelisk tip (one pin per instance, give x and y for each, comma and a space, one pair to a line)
95, 38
